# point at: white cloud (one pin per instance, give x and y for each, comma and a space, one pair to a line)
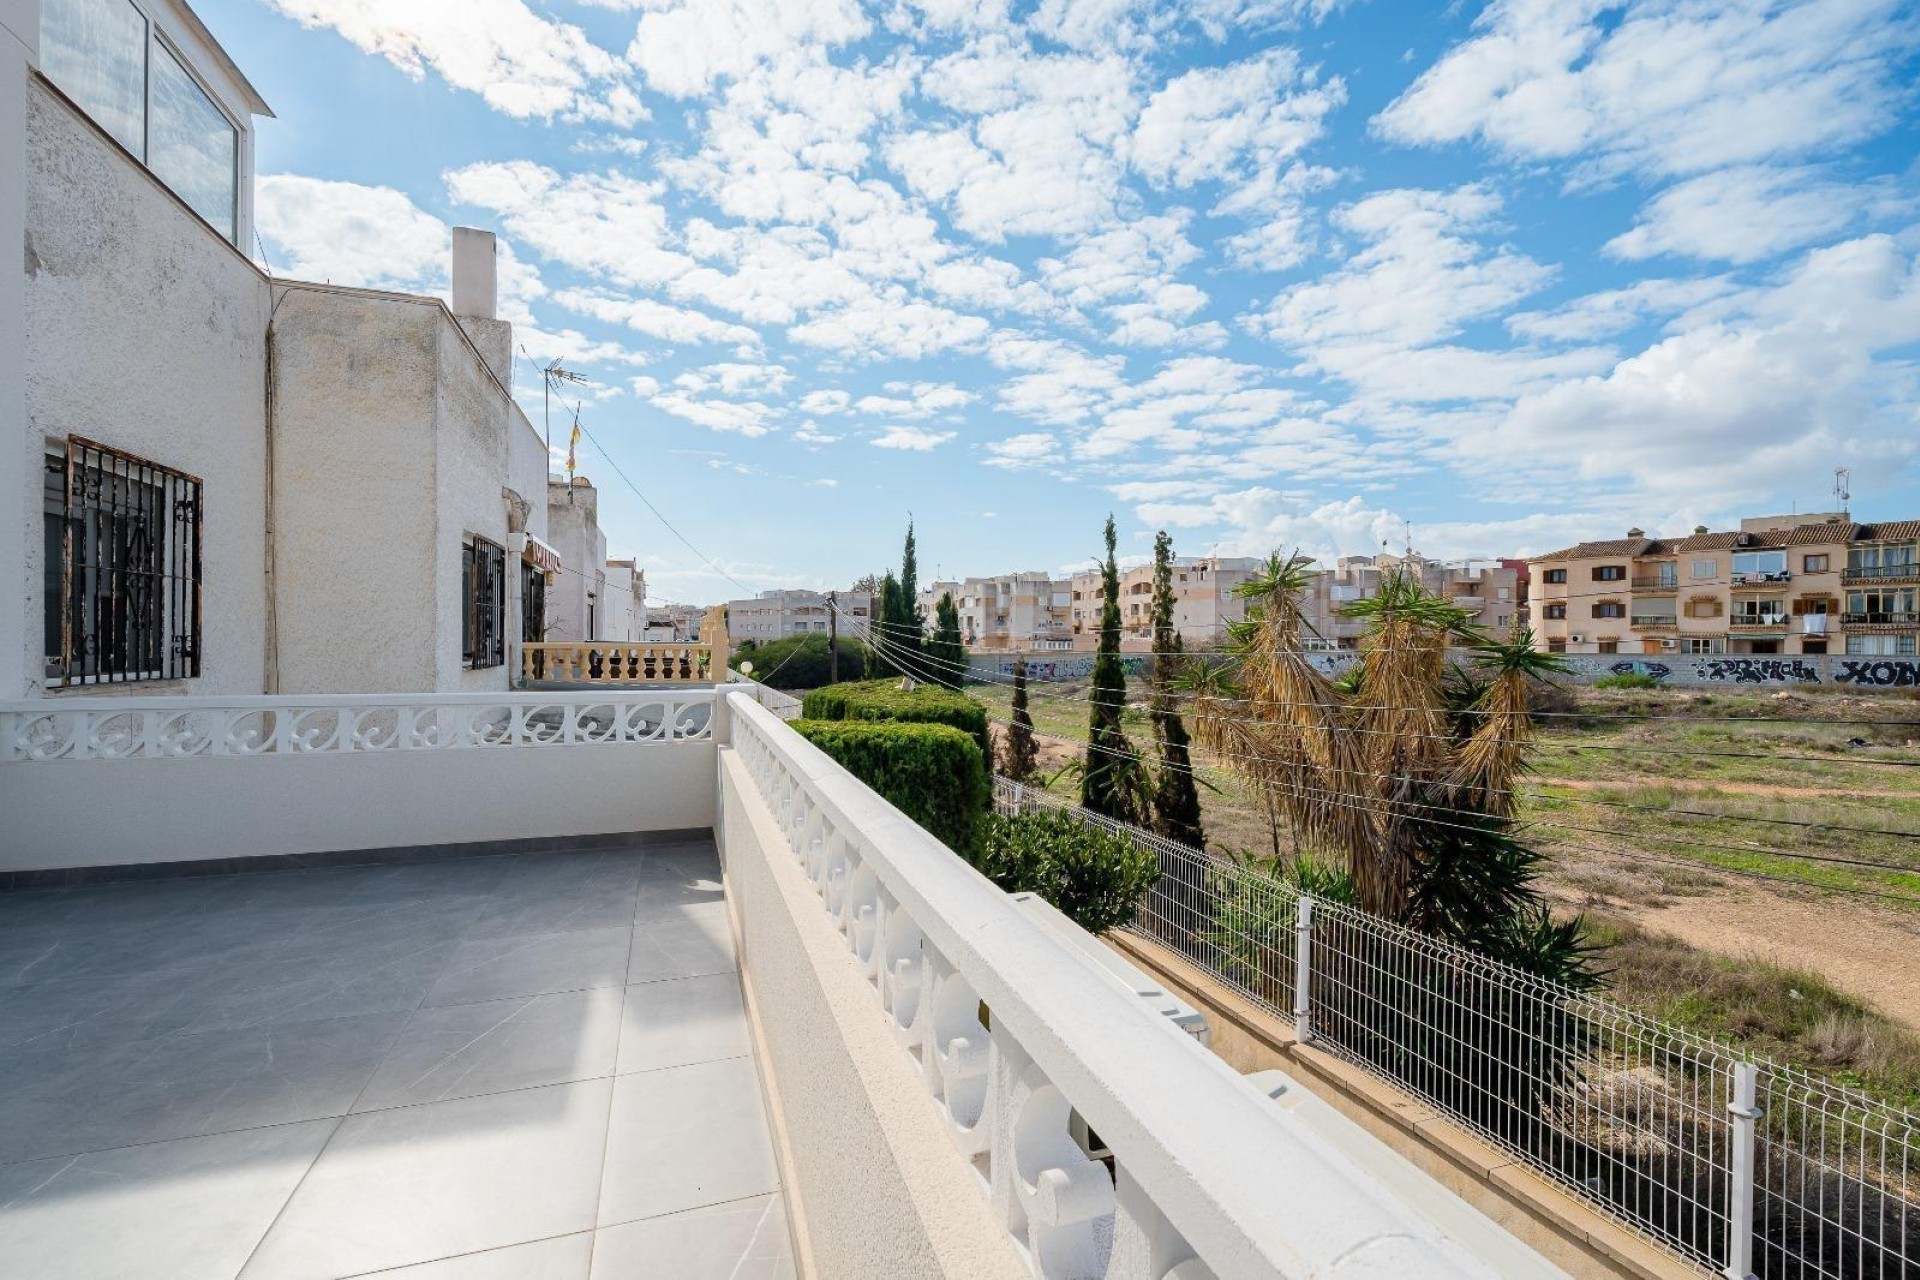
914, 439
684, 48
655, 319
345, 233
1751, 213
522, 64
915, 400
749, 418
1204, 125
1028, 449
891, 325
1598, 315
1672, 88
734, 378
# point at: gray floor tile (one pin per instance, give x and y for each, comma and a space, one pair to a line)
684, 944
340, 979
562, 1258
55, 1102
468, 1049
91, 1011
533, 964
555, 909
686, 1137
663, 896
681, 1021
417, 1184
190, 1209
745, 1240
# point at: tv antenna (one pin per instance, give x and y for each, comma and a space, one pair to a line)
1843, 487
551, 376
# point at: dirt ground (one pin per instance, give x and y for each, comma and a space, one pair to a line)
1871, 954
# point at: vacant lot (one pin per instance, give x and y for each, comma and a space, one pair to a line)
1749, 862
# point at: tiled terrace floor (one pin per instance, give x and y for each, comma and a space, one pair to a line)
530, 1066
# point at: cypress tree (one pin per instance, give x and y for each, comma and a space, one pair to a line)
946, 657
1110, 783
1020, 756
903, 624
883, 637
1176, 800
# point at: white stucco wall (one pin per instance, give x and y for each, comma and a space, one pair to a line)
19, 41
86, 813
472, 426
573, 527
878, 1183
144, 331
354, 491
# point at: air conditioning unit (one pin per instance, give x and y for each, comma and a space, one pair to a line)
1669, 643
1576, 639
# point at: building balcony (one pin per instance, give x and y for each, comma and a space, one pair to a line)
1769, 622
1659, 585
635, 980
1654, 622
1907, 572
1751, 581
1892, 618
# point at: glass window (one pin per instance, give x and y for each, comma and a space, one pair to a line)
1760, 562
1555, 575
1881, 646
195, 148
1814, 564
96, 51
1609, 573
1706, 568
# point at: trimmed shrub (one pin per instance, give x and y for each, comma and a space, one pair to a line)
885, 700
1094, 876
800, 662
933, 773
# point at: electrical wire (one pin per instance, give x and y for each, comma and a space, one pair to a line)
658, 515
1358, 803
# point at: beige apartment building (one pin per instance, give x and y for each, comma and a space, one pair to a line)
1012, 612
1792, 584
1489, 591
790, 612
1204, 602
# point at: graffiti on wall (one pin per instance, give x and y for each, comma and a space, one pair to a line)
1653, 670
1759, 670
1878, 673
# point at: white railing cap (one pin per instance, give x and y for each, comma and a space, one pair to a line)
590, 695
1252, 1190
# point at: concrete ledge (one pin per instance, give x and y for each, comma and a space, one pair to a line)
874, 1183
1565, 1230
61, 877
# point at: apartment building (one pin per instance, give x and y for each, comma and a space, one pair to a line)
791, 612
1204, 602
1805, 584
1492, 592
626, 602
1010, 613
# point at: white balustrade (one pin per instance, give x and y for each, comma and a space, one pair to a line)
170, 728
1022, 1045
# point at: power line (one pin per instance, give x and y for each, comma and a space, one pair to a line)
658, 515
1360, 729
1358, 803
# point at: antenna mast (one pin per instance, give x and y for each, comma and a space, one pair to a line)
1843, 488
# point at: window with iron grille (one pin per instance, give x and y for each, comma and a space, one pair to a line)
122, 568
533, 603
484, 581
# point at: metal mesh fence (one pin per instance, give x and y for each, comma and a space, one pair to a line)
1745, 1167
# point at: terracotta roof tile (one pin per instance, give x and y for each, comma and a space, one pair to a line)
1887, 531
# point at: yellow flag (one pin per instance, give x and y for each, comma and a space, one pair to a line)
573, 442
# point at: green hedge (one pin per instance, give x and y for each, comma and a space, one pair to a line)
799, 662
1096, 877
885, 700
933, 773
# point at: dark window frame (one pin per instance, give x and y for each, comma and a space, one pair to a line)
1553, 575
123, 581
1609, 573
533, 603
483, 590
1553, 611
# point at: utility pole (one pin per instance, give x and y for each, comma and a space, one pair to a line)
833, 637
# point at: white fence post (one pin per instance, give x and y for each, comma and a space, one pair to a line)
1303, 971
1740, 1172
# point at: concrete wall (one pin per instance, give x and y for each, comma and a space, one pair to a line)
473, 423
19, 50
355, 492
144, 331
874, 1182
573, 523
90, 813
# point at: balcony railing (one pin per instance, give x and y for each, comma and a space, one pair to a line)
611, 663
1893, 618
1758, 622
1655, 620
1658, 583
1880, 572
1761, 579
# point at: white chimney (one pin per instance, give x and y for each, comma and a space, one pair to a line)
476, 277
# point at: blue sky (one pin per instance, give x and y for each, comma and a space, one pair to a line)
1266, 273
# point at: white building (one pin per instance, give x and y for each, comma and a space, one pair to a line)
625, 618
224, 483
791, 612
576, 600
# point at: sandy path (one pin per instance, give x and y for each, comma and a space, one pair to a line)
1696, 786
1870, 954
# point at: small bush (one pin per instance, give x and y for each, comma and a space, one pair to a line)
885, 700
799, 662
1628, 680
933, 773
1094, 876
